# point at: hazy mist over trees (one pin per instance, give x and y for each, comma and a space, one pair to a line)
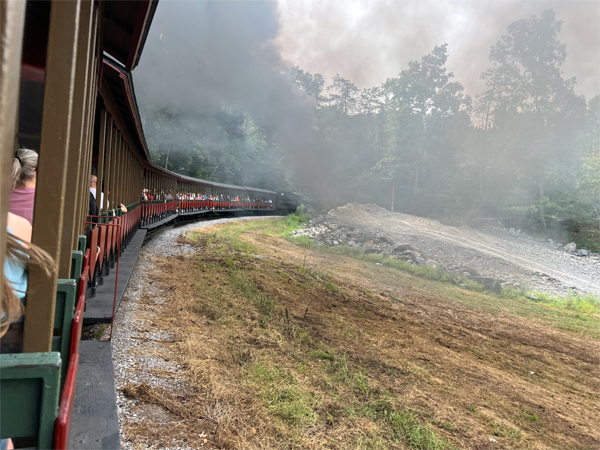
526, 149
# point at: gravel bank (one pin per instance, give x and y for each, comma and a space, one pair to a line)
139, 349
493, 252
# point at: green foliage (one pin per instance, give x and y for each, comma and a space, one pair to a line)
587, 242
295, 221
419, 437
330, 287
586, 303
280, 392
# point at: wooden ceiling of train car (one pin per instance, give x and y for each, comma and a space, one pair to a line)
125, 26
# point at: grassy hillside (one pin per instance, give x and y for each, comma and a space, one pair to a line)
288, 346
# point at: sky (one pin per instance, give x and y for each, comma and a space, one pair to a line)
368, 41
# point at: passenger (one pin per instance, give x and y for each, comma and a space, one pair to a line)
19, 254
93, 184
23, 181
93, 208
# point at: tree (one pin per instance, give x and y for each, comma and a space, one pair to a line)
534, 109
420, 102
311, 84
343, 95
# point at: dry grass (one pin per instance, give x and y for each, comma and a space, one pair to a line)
285, 347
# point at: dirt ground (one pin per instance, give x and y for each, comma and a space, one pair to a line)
279, 346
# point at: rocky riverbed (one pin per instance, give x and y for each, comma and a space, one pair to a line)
491, 255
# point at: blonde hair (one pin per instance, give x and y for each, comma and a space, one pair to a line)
24, 254
24, 166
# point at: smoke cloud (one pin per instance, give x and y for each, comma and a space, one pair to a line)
200, 56
368, 41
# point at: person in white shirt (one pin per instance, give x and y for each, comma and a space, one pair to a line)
93, 183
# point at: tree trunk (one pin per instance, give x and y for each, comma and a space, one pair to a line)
416, 185
167, 161
542, 212
393, 193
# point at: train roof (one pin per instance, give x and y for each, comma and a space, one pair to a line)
118, 94
227, 186
125, 27
260, 190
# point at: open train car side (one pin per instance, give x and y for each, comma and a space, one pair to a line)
66, 92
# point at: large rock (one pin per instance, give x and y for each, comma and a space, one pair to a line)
570, 247
432, 263
490, 283
583, 252
472, 272
399, 248
408, 254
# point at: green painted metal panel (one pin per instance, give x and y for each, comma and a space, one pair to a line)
66, 296
82, 243
76, 264
56, 341
30, 385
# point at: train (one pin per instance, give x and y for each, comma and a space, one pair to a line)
66, 91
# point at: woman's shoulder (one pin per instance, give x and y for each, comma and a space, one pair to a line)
19, 226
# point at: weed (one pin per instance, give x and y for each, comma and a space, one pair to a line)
330, 287
302, 335
473, 409
360, 383
371, 442
502, 430
100, 330
405, 426
321, 354
280, 392
303, 241
586, 303
448, 426
246, 287
526, 416
337, 365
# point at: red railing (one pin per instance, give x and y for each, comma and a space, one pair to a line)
105, 240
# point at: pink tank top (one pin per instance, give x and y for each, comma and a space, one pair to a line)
21, 203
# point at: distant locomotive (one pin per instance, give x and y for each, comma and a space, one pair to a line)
288, 201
